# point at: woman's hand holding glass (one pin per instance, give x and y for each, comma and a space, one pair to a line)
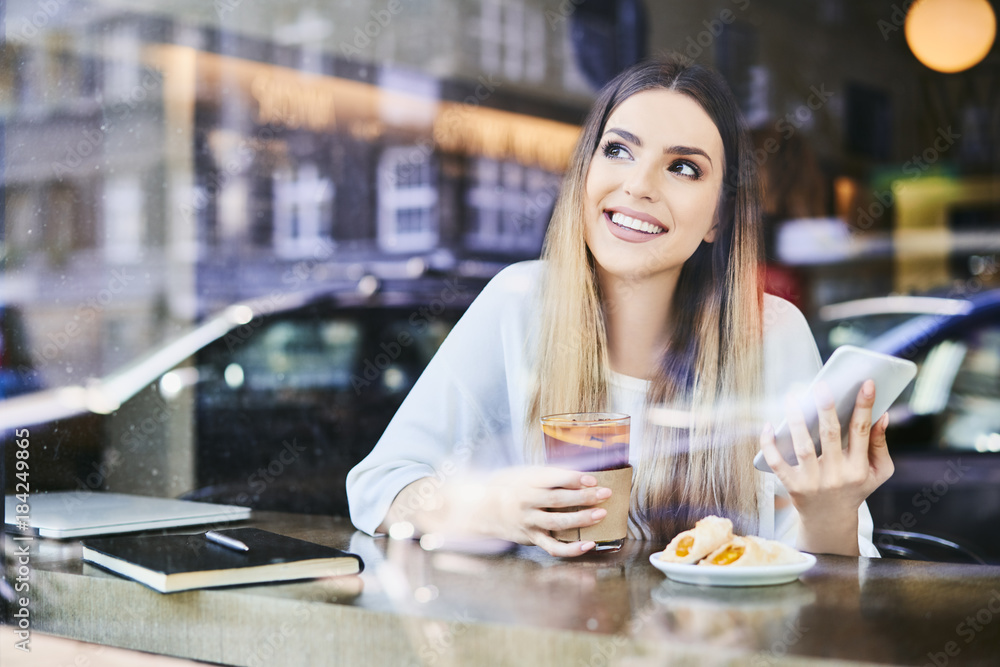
827, 490
518, 504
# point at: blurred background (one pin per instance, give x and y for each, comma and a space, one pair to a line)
235, 231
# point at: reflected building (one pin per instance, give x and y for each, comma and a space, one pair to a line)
162, 163
157, 171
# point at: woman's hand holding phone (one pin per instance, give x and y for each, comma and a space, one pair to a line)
827, 490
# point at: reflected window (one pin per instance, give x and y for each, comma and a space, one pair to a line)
509, 206
303, 211
19, 233
123, 218
122, 58
407, 199
518, 47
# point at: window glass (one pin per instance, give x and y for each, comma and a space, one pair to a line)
164, 162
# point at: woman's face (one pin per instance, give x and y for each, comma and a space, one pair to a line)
653, 185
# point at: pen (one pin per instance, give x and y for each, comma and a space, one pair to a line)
226, 541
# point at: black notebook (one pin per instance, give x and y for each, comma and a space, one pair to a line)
170, 563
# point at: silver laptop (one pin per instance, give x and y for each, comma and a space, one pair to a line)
70, 514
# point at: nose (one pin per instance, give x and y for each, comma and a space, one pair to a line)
640, 182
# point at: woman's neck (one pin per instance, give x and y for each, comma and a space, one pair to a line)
637, 314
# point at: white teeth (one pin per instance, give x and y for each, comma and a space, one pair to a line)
639, 225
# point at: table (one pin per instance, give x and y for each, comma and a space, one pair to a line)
522, 607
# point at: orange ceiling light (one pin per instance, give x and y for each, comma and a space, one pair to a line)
950, 35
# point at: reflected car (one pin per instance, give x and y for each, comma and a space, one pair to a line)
279, 400
17, 371
861, 321
944, 430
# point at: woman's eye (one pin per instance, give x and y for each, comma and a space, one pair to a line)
686, 169
615, 150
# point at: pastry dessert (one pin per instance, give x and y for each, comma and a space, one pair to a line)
693, 545
779, 553
752, 551
712, 542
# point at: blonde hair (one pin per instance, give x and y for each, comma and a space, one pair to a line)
711, 371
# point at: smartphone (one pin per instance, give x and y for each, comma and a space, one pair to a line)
844, 373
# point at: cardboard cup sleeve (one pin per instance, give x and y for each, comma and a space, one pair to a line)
615, 525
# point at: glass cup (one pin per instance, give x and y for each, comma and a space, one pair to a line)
594, 442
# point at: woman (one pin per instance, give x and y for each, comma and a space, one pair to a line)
647, 301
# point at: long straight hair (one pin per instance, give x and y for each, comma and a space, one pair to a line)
711, 370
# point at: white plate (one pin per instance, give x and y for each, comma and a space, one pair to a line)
721, 575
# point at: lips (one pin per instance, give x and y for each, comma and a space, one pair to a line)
633, 226
629, 222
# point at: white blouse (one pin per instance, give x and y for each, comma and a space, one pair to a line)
465, 412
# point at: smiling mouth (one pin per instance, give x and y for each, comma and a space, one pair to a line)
626, 222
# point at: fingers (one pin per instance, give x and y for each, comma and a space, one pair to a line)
829, 427
559, 498
560, 549
878, 452
880, 427
528, 497
543, 487
826, 486
802, 442
861, 424
552, 477
557, 521
773, 457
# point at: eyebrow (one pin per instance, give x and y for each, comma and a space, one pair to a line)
674, 150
